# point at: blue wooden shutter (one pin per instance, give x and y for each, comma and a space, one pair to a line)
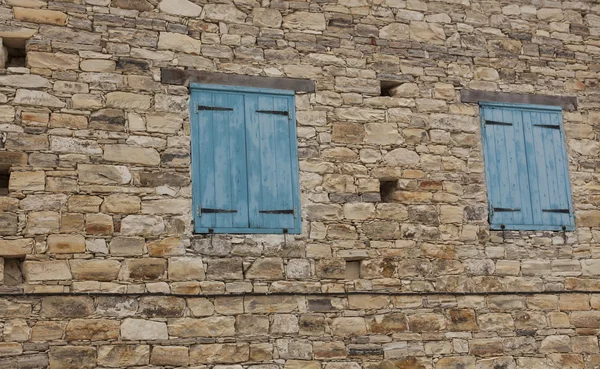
548, 170
506, 168
272, 163
219, 160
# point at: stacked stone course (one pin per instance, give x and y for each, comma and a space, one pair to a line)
100, 264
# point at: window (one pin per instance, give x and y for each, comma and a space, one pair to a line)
526, 167
244, 160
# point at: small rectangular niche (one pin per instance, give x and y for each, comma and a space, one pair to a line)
386, 86
387, 189
12, 274
4, 179
14, 52
352, 270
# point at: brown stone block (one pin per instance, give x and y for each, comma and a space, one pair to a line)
48, 331
71, 222
329, 350
252, 325
227, 268
388, 323
61, 184
123, 204
46, 271
270, 304
84, 203
72, 357
166, 247
127, 246
10, 349
27, 181
219, 353
486, 347
145, 268
161, 306
67, 306
266, 269
95, 270
26, 142
261, 351
426, 322
123, 355
9, 223
13, 158
462, 320
40, 16
217, 326
92, 329
99, 224
348, 327
66, 243
170, 355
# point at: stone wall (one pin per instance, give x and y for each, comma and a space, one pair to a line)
99, 198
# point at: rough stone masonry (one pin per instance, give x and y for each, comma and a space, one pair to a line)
101, 268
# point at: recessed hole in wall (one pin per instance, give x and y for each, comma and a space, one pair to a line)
4, 179
386, 86
13, 276
387, 189
15, 52
352, 269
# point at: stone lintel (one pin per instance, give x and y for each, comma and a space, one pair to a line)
185, 77
568, 103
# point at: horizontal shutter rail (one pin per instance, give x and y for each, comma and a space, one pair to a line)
547, 126
215, 211
275, 112
563, 211
496, 123
217, 108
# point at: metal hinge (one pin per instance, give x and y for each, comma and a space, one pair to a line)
213, 108
547, 126
276, 112
494, 123
505, 209
563, 211
214, 211
293, 211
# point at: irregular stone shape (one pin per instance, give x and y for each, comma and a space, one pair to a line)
223, 13
127, 100
266, 269
8, 224
427, 32
166, 247
92, 329
120, 356
84, 203
42, 222
179, 42
265, 17
305, 21
270, 304
37, 98
95, 270
186, 268
53, 61
40, 16
97, 65
170, 355
58, 120
66, 243
145, 268
103, 174
588, 218
141, 5
67, 306
132, 155
401, 156
302, 364
108, 119
16, 330
463, 362
180, 7
16, 248
25, 80
72, 357
74, 145
395, 31
205, 327
46, 270
142, 225
166, 206
43, 202
99, 224
140, 329
225, 269
127, 246
48, 331
27, 181
161, 306
219, 353
164, 123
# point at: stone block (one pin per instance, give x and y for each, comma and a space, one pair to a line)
162, 306
27, 181
266, 269
103, 174
143, 269
48, 331
171, 246
95, 270
127, 246
132, 155
219, 353
127, 100
57, 61
204, 327
142, 225
42, 222
72, 357
67, 306
170, 356
92, 329
99, 224
140, 329
186, 268
66, 244
179, 42
123, 355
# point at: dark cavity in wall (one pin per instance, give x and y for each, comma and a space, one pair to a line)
15, 52
4, 179
387, 189
13, 275
386, 86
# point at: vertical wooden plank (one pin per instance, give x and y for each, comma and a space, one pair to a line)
285, 200
533, 151
253, 162
207, 161
520, 157
195, 160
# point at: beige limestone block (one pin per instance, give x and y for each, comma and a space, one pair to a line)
166, 206
200, 307
219, 353
127, 100
46, 270
103, 174
164, 123
16, 330
186, 268
47, 331
54, 61
266, 269
95, 270
119, 203
301, 364
217, 326
27, 3
99, 224
142, 225
463, 362
25, 81
550, 14
144, 268
58, 120
14, 248
348, 326
300, 20
401, 156
97, 65
184, 8
169, 355
42, 222
130, 154
92, 329
171, 246
140, 329
37, 98
66, 243
120, 356
40, 16
224, 13
264, 17
427, 32
84, 204
179, 42
395, 31
72, 357
140, 5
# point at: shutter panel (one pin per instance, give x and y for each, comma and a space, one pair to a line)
548, 169
272, 162
219, 160
506, 168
